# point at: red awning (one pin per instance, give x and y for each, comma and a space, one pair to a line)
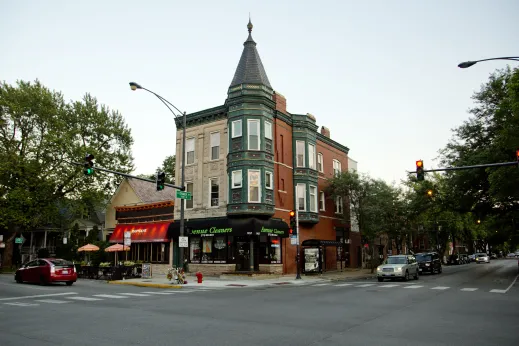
142, 232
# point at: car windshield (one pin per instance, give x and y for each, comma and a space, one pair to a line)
60, 262
396, 260
481, 255
423, 258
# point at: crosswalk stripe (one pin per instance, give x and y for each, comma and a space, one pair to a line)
181, 291
365, 285
440, 288
389, 285
497, 291
52, 301
341, 285
135, 294
316, 285
413, 286
164, 293
109, 296
86, 299
21, 304
469, 289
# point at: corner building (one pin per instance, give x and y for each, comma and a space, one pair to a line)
246, 161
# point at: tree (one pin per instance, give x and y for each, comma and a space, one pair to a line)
168, 167
40, 134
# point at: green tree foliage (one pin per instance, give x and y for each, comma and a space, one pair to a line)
40, 133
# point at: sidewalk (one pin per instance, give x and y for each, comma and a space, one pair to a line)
160, 281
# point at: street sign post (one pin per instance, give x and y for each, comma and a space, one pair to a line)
182, 241
184, 195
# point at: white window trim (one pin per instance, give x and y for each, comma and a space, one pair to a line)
321, 194
250, 121
211, 145
312, 158
320, 156
304, 154
218, 182
248, 185
271, 180
269, 133
316, 200
304, 196
233, 186
337, 166
233, 132
194, 150
339, 198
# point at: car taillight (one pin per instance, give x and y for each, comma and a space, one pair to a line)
75, 269
52, 269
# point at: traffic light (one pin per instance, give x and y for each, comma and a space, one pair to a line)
88, 164
420, 175
161, 180
517, 155
293, 222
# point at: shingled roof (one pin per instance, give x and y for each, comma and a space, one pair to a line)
147, 192
250, 68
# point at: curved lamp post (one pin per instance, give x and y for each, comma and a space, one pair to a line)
467, 64
134, 86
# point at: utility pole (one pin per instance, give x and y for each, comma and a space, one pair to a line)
298, 275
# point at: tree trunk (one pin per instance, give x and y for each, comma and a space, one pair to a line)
7, 261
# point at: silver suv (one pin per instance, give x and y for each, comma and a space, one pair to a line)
400, 266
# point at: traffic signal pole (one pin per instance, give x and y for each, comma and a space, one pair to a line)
298, 275
126, 175
500, 164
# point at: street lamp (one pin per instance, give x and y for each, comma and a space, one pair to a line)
134, 86
467, 64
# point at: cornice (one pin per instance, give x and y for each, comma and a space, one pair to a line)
146, 206
332, 143
204, 116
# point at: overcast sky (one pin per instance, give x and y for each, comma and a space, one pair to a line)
382, 75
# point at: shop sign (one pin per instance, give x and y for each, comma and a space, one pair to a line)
212, 230
272, 232
140, 230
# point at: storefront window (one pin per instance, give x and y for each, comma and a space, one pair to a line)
194, 249
219, 250
269, 250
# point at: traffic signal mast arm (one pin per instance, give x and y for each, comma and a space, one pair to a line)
501, 164
97, 168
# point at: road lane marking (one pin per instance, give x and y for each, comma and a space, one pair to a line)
365, 285
316, 285
413, 286
53, 301
21, 304
191, 291
440, 288
512, 283
39, 296
469, 289
342, 285
135, 294
86, 299
109, 296
389, 285
497, 291
166, 293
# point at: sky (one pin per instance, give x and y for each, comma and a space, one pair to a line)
382, 75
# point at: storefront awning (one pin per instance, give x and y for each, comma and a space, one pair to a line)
319, 242
142, 232
233, 226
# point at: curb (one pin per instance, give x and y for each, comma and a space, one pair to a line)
144, 284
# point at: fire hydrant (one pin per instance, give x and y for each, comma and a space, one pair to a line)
199, 277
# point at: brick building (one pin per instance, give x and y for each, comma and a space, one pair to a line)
246, 162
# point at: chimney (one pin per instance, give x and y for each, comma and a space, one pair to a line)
281, 102
325, 131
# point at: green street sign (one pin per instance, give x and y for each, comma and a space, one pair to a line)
184, 194
18, 240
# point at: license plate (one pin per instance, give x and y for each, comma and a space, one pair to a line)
64, 272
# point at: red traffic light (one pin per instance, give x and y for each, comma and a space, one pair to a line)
292, 213
419, 163
517, 154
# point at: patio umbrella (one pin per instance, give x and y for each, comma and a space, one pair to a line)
88, 248
116, 248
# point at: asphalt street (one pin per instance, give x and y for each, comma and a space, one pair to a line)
472, 304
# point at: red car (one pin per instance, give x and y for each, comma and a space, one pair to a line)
47, 270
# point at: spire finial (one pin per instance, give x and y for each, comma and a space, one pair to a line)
249, 26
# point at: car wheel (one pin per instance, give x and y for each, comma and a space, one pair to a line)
416, 275
380, 279
69, 283
18, 279
43, 281
406, 277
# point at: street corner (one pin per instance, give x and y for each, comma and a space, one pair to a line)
145, 284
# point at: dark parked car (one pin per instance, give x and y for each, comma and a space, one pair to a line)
429, 262
47, 270
454, 259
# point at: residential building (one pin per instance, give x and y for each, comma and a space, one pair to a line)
246, 161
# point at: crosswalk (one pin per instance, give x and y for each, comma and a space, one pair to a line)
406, 287
70, 297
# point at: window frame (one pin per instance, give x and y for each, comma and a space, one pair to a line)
233, 181
298, 154
193, 151
234, 127
312, 163
269, 133
249, 122
320, 162
337, 167
217, 146
314, 198
339, 205
269, 177
304, 196
322, 198
210, 205
249, 171
192, 195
